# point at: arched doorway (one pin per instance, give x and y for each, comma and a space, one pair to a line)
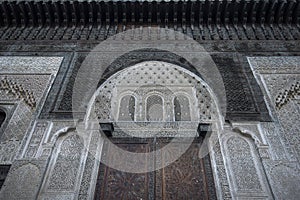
148, 105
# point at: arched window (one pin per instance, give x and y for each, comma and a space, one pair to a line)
154, 108
2, 117
127, 108
182, 108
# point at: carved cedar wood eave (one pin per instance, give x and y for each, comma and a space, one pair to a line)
97, 20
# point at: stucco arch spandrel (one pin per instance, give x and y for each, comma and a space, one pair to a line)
100, 60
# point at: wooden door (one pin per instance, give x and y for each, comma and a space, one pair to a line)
189, 177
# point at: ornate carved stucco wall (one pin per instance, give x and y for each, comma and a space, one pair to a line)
279, 79
25, 83
250, 160
39, 128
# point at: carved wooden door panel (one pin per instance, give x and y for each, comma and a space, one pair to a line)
115, 184
189, 177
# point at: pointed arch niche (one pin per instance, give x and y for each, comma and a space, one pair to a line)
154, 98
65, 166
